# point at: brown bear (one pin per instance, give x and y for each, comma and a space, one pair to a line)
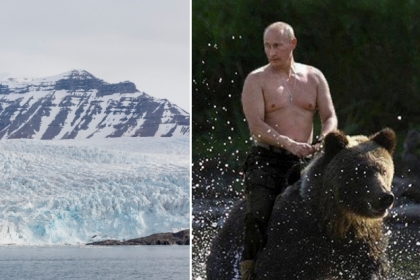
328, 225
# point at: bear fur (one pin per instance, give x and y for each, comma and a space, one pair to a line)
328, 225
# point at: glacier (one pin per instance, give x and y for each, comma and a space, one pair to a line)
58, 192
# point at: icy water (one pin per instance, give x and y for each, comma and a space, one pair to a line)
208, 216
116, 262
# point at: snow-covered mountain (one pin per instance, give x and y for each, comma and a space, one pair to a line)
55, 192
77, 105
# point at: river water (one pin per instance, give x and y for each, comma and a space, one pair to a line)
404, 249
91, 262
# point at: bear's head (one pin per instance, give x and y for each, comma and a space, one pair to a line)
351, 181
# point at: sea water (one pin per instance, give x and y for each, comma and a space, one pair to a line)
91, 262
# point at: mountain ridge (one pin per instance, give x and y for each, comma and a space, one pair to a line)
76, 104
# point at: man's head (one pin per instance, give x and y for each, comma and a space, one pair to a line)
279, 43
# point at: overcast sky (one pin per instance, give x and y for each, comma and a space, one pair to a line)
142, 41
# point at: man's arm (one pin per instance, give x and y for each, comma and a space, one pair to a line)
325, 107
253, 105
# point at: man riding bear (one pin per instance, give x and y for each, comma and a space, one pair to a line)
279, 101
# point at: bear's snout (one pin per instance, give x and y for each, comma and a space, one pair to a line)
385, 201
378, 207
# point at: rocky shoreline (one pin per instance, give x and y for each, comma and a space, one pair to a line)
168, 238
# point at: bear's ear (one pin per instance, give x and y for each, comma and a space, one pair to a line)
335, 142
386, 139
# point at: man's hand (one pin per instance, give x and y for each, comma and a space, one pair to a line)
318, 144
301, 150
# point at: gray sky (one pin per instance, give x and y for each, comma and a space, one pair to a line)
143, 41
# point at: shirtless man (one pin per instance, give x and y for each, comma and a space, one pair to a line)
279, 101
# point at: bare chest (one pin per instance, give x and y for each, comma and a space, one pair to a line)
279, 93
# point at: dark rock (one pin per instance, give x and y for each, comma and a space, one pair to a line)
124, 87
4, 89
167, 238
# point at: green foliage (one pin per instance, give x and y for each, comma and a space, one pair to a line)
368, 51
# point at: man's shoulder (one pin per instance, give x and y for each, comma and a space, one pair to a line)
305, 69
309, 71
255, 79
259, 71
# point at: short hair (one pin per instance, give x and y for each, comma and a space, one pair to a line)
282, 26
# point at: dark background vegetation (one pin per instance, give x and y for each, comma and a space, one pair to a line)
367, 50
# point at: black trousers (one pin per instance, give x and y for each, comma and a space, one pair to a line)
267, 174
